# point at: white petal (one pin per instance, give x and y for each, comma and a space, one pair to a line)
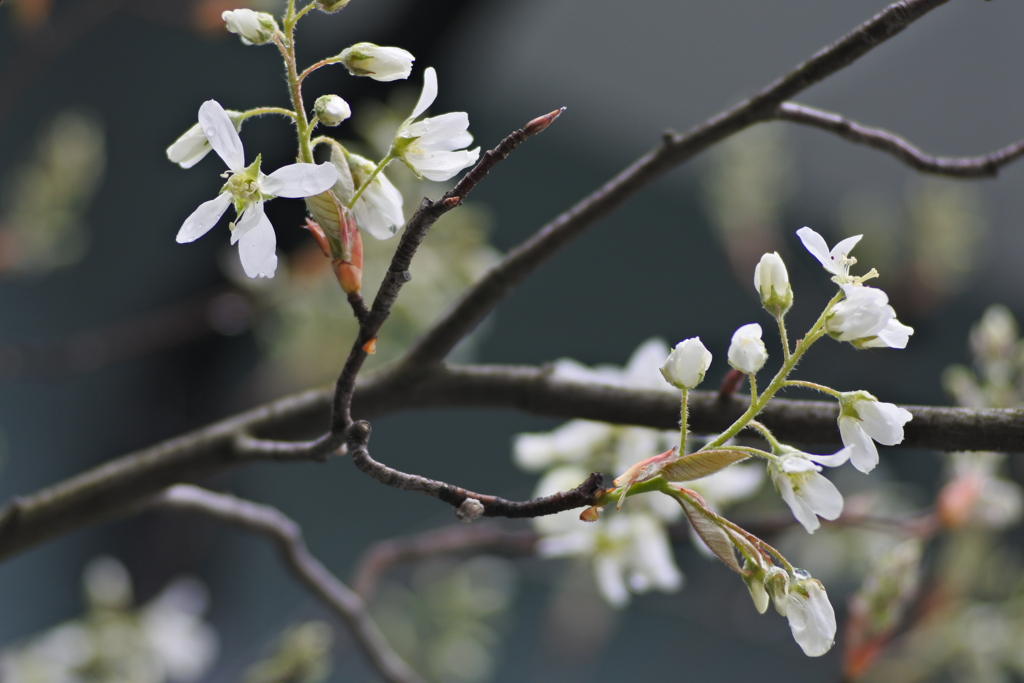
203, 218
258, 249
608, 573
834, 460
652, 554
816, 244
221, 134
440, 166
300, 180
812, 620
378, 210
797, 504
249, 219
439, 128
429, 93
863, 453
883, 422
895, 335
822, 496
190, 148
844, 247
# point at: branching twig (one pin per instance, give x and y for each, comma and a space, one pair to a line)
493, 506
453, 539
482, 297
957, 167
272, 523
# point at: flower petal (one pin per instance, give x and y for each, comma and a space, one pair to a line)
440, 166
203, 218
834, 460
300, 180
801, 510
222, 135
822, 496
812, 620
844, 247
429, 93
883, 422
249, 219
816, 245
440, 128
378, 210
863, 453
257, 248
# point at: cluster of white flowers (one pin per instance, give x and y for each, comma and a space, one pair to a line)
432, 148
630, 551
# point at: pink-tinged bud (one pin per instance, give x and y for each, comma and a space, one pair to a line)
318, 235
349, 277
541, 122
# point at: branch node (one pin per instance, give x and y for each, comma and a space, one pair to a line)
470, 510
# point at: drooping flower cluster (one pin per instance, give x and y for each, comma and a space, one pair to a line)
347, 191
858, 314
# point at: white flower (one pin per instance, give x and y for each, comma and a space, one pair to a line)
247, 188
331, 110
863, 313
747, 352
862, 418
894, 335
687, 364
772, 282
808, 494
811, 617
192, 146
379, 63
181, 641
378, 210
255, 28
429, 146
572, 442
837, 261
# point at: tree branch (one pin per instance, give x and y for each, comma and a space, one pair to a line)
452, 539
115, 487
675, 149
287, 535
986, 166
486, 505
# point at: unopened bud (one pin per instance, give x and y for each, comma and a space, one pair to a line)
379, 63
331, 110
747, 352
772, 283
331, 6
687, 364
776, 583
255, 28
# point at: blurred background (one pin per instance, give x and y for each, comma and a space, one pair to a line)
113, 337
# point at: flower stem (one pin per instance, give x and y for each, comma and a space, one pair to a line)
261, 111
767, 434
683, 427
753, 387
811, 385
287, 47
314, 67
380, 167
783, 337
757, 405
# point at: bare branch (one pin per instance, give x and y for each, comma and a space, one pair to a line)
986, 166
273, 524
675, 149
452, 539
493, 506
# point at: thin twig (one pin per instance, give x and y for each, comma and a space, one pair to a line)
474, 305
376, 561
492, 506
986, 166
275, 525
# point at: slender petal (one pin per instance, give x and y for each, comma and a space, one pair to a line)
863, 452
883, 422
257, 248
834, 460
249, 219
222, 135
300, 180
203, 218
439, 128
831, 260
429, 93
811, 618
440, 166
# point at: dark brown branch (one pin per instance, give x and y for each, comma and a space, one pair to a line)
287, 535
398, 272
453, 539
493, 506
480, 299
986, 166
116, 486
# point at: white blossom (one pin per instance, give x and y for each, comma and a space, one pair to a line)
772, 282
248, 188
746, 351
255, 28
687, 364
811, 617
432, 147
864, 420
808, 494
837, 260
894, 335
865, 318
379, 63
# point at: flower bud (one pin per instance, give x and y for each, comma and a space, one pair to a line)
255, 28
687, 364
379, 63
331, 110
331, 6
746, 352
772, 283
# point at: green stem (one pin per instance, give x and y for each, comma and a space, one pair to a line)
683, 426
767, 434
302, 12
314, 67
261, 111
811, 385
816, 332
783, 336
753, 387
287, 48
380, 167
